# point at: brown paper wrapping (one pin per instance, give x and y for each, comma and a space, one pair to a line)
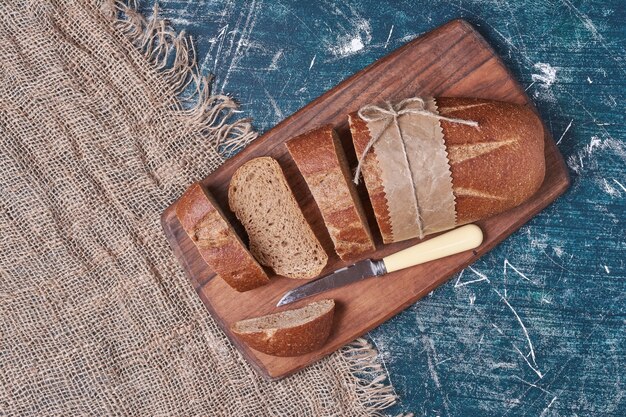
396, 179
430, 168
415, 172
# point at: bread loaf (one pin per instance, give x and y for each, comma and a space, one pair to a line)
289, 333
323, 164
498, 166
280, 237
217, 242
494, 167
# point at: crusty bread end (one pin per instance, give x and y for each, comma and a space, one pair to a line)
218, 244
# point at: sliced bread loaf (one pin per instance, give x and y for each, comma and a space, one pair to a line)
218, 244
323, 164
291, 332
280, 236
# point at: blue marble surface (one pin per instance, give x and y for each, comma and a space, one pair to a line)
538, 326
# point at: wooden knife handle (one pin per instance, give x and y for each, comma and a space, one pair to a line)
455, 241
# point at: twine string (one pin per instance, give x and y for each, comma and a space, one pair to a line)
390, 114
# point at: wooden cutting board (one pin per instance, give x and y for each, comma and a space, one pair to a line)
453, 60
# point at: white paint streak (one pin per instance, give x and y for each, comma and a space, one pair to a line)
538, 242
545, 410
381, 354
545, 299
565, 131
556, 263
506, 262
535, 370
431, 354
351, 43
609, 189
408, 37
388, 37
219, 40
586, 21
244, 38
481, 277
497, 328
445, 360
355, 45
546, 76
275, 58
277, 111
179, 21
530, 85
503, 365
620, 184
530, 384
578, 161
429, 347
530, 343
593, 144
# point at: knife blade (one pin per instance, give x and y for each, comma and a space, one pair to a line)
456, 241
361, 270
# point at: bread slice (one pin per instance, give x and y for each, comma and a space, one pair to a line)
218, 244
291, 332
372, 176
494, 167
280, 237
323, 164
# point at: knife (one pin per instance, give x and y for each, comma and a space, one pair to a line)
458, 240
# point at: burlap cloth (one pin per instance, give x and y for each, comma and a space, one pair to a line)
103, 123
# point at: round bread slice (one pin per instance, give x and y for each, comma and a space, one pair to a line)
291, 332
280, 236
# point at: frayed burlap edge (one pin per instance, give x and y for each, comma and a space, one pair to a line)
173, 55
369, 377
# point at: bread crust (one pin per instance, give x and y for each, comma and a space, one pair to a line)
291, 341
218, 244
497, 166
372, 176
322, 162
494, 167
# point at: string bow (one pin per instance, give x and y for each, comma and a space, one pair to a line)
390, 114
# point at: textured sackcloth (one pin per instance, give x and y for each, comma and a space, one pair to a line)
104, 121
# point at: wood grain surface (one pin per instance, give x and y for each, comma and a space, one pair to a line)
452, 60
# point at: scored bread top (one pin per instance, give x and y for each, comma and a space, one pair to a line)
498, 165
323, 164
291, 332
218, 244
280, 236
